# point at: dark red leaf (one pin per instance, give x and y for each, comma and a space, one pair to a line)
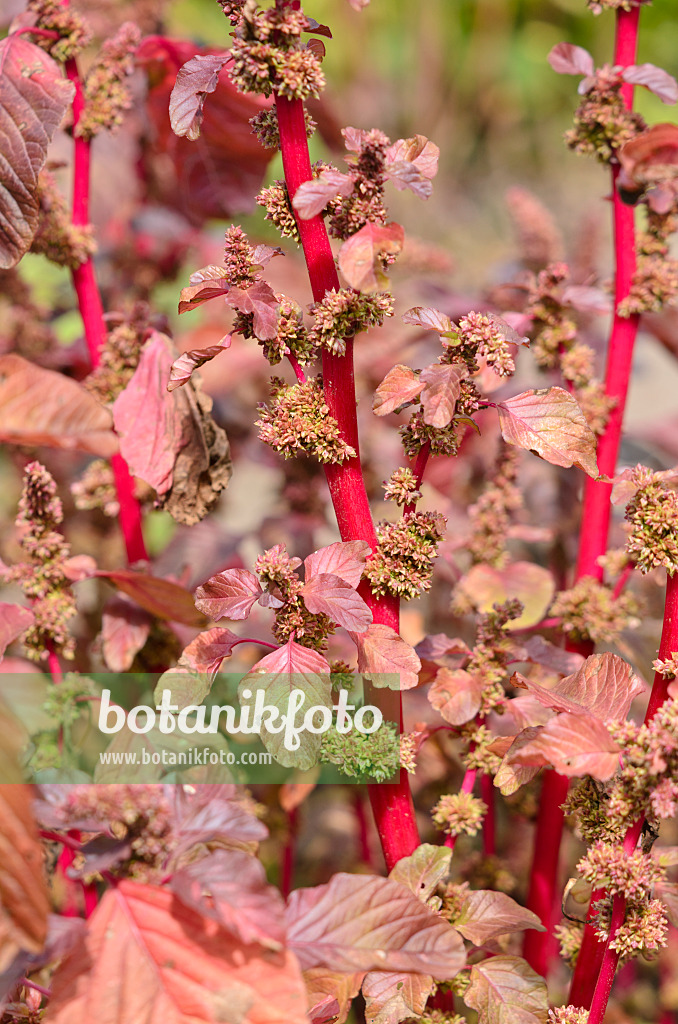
260, 300
208, 650
346, 559
457, 695
573, 744
387, 659
183, 367
329, 595
34, 97
428, 318
442, 387
567, 59
160, 597
228, 595
198, 77
124, 631
208, 283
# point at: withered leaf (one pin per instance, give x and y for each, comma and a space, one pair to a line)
183, 367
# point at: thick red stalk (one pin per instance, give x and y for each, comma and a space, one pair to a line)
595, 524
92, 313
391, 804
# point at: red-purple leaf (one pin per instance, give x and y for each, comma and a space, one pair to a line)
411, 163
147, 957
441, 391
198, 77
457, 695
567, 59
34, 96
263, 254
543, 652
208, 650
399, 386
428, 318
360, 258
208, 283
329, 595
658, 81
361, 922
506, 990
587, 300
383, 655
228, 595
259, 299
124, 631
485, 915
313, 196
550, 423
511, 775
14, 620
161, 598
43, 407
230, 887
345, 559
183, 367
573, 744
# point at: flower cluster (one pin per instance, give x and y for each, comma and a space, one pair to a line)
402, 565
342, 314
269, 55
291, 337
459, 813
375, 755
644, 930
443, 440
491, 515
598, 6
120, 354
646, 782
602, 123
265, 127
401, 486
654, 285
539, 239
44, 578
57, 238
590, 611
609, 867
479, 755
277, 571
481, 335
568, 1015
96, 489
552, 328
569, 935
276, 201
364, 204
491, 652
298, 422
653, 514
53, 16
107, 96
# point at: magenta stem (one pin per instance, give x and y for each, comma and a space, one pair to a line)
391, 803
488, 794
542, 896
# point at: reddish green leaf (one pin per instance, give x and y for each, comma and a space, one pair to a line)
198, 77
312, 197
228, 595
161, 598
411, 163
345, 559
361, 922
330, 994
573, 744
505, 990
486, 915
34, 97
399, 386
43, 407
550, 423
393, 997
146, 956
360, 258
386, 659
457, 695
329, 595
183, 367
442, 389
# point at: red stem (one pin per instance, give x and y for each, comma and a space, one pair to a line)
419, 469
391, 803
488, 793
468, 782
595, 529
92, 313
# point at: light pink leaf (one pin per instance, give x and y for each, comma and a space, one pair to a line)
124, 631
183, 367
411, 163
587, 300
263, 254
229, 886
567, 59
531, 584
457, 695
14, 620
575, 745
198, 77
313, 196
43, 407
605, 685
327, 594
403, 174
228, 595
177, 965
34, 96
361, 922
79, 567
291, 667
163, 598
658, 81
360, 257
505, 990
486, 915
345, 559
428, 318
208, 650
208, 283
442, 389
399, 386
148, 420
383, 655
543, 652
550, 423
259, 299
